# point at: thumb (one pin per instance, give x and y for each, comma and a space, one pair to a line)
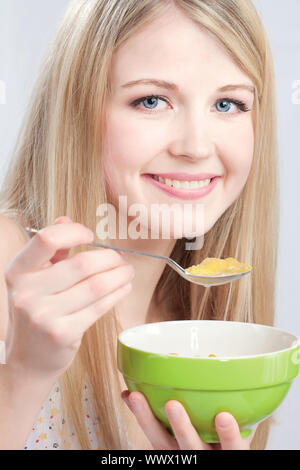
63, 220
229, 432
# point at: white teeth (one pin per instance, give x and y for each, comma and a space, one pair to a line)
183, 184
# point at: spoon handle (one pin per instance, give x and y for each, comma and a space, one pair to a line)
128, 251
169, 261
33, 230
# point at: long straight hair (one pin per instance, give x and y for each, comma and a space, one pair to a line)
59, 147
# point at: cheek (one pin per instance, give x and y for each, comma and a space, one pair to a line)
131, 143
238, 154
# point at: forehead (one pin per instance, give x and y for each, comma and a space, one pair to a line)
174, 48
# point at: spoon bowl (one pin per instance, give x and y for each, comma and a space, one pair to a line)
217, 280
205, 281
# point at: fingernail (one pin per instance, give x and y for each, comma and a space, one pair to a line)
174, 413
224, 420
135, 405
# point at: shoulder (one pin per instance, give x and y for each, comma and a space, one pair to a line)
12, 241
13, 237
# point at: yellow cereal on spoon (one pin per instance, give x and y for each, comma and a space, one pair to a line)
216, 266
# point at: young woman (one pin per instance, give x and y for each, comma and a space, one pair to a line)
128, 90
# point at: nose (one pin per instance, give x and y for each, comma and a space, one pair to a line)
192, 138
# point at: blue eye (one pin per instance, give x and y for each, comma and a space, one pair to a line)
224, 108
240, 104
150, 102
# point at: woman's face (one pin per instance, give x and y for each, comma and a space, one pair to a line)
193, 126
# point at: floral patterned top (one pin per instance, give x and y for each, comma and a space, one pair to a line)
46, 432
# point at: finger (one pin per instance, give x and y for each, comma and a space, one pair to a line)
74, 326
153, 429
229, 432
61, 254
63, 220
91, 290
65, 274
47, 241
185, 433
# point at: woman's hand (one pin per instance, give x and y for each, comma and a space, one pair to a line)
54, 299
186, 436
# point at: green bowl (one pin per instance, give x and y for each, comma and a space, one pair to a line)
249, 377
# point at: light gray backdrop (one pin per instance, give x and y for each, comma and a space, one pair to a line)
25, 30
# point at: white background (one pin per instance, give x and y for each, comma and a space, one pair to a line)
25, 30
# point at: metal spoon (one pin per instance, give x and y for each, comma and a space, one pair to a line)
205, 281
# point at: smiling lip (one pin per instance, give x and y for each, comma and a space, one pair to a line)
185, 176
183, 193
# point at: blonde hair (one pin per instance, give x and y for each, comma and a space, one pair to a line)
59, 147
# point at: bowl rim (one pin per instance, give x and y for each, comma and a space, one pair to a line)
295, 344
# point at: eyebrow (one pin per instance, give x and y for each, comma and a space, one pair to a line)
173, 86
